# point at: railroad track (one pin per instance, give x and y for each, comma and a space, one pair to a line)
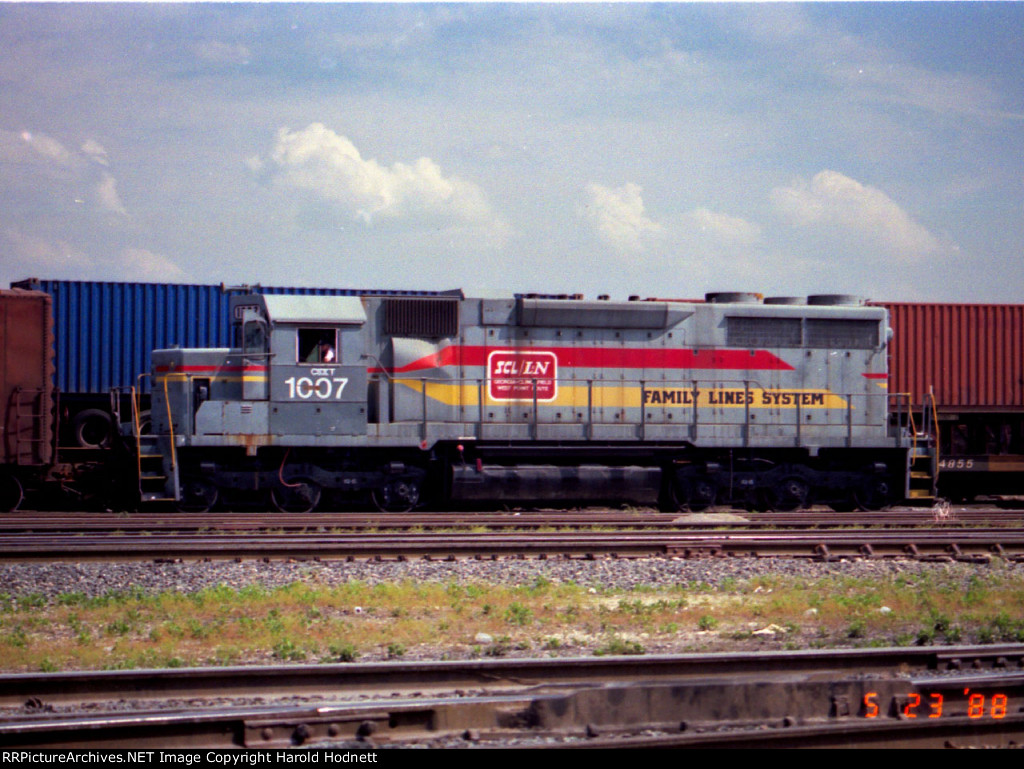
967, 696
972, 534
974, 545
173, 522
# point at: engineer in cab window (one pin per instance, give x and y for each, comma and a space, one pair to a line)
322, 353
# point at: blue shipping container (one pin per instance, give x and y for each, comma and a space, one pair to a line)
104, 332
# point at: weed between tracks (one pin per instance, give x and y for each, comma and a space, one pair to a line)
311, 622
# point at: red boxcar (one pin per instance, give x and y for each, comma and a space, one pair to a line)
26, 377
972, 357
26, 387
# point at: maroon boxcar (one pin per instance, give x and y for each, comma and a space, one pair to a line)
971, 356
26, 387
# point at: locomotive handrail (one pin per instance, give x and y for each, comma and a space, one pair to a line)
381, 368
902, 400
592, 399
133, 394
136, 398
913, 430
170, 426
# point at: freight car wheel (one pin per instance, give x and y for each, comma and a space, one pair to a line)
397, 496
91, 429
197, 495
299, 495
11, 493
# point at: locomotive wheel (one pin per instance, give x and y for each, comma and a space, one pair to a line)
301, 495
694, 494
197, 495
880, 495
676, 496
789, 494
11, 493
847, 505
397, 496
856, 501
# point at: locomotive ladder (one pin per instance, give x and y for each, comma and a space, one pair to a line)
149, 460
922, 481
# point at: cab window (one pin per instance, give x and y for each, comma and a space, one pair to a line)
317, 345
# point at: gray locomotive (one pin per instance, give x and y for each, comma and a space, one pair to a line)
402, 400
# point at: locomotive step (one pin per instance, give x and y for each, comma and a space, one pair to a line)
154, 497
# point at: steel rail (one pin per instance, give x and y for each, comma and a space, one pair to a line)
701, 698
947, 733
354, 678
221, 521
922, 543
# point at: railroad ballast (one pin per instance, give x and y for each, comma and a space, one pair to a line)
406, 400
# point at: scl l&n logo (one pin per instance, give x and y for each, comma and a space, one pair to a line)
512, 375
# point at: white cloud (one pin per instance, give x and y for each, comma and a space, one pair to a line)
95, 151
140, 264
618, 215
329, 165
217, 52
32, 255
864, 72
41, 163
106, 194
729, 229
25, 150
841, 206
48, 147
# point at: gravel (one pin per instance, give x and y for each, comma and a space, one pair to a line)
48, 580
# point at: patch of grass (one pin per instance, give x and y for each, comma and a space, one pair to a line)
500, 647
311, 621
395, 650
344, 652
616, 646
287, 651
518, 614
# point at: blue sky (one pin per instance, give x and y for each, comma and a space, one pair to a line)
661, 150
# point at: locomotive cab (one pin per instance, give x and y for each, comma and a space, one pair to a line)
306, 360
297, 372
295, 382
